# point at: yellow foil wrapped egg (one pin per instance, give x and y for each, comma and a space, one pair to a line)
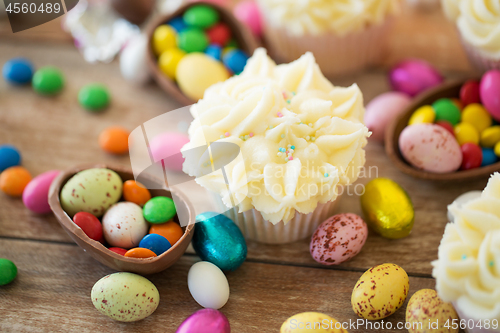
312, 322
388, 208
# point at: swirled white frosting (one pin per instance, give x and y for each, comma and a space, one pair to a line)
317, 16
468, 267
274, 107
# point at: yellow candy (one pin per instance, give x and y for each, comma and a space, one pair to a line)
466, 133
497, 149
313, 322
490, 136
196, 72
164, 38
424, 114
169, 60
477, 116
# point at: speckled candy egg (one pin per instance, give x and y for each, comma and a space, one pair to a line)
124, 226
305, 322
430, 147
338, 239
125, 296
92, 191
380, 291
428, 313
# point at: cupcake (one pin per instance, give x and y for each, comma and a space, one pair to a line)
478, 22
467, 271
300, 139
344, 35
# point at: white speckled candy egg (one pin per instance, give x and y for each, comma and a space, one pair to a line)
306, 322
124, 226
125, 296
380, 291
338, 239
430, 147
208, 285
92, 191
428, 313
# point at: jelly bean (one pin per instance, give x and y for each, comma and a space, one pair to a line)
9, 157
178, 24
13, 180
497, 149
446, 125
156, 243
18, 71
170, 230
489, 91
489, 157
192, 40
446, 110
36, 193
249, 14
135, 192
469, 93
201, 16
219, 34
466, 133
235, 61
159, 210
458, 103
118, 250
90, 225
477, 116
139, 252
424, 114
472, 156
94, 97
114, 140
8, 271
214, 51
164, 38
490, 136
169, 60
48, 81
414, 76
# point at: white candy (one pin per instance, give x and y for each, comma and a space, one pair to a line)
463, 199
133, 61
208, 285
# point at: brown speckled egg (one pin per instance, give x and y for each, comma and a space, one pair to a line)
338, 239
428, 313
380, 291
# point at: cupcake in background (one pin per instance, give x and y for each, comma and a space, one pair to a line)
467, 271
478, 22
343, 35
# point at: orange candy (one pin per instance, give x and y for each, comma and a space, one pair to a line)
13, 180
170, 230
114, 140
135, 192
139, 252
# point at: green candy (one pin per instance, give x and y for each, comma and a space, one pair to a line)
159, 210
446, 110
94, 97
201, 16
8, 271
192, 40
48, 81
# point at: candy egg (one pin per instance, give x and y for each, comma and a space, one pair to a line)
159, 210
133, 61
14, 180
248, 12
167, 147
201, 16
9, 157
338, 239
164, 38
447, 126
125, 296
428, 313
94, 97
192, 40
140, 252
472, 156
205, 321
135, 192
463, 199
92, 191
490, 136
18, 71
170, 230
388, 208
118, 250
35, 194
414, 76
311, 322
156, 243
169, 60
219, 34
214, 51
208, 285
123, 225
90, 225
178, 24
383, 109
469, 93
380, 291
430, 147
422, 115
114, 140
8, 271
447, 110
465, 132
477, 116
490, 93
235, 60
497, 149
218, 239
489, 157
48, 81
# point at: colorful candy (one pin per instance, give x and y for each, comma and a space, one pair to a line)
445, 109
170, 230
118, 250
477, 116
497, 149
235, 60
201, 16
423, 115
219, 34
135, 192
13, 180
414, 76
490, 136
465, 132
139, 252
249, 14
90, 225
94, 97
208, 285
8, 271
18, 71
123, 225
472, 156
169, 60
114, 140
35, 194
469, 93
9, 157
156, 243
214, 51
159, 210
489, 157
192, 40
48, 80
447, 126
164, 38
490, 93
205, 321
178, 24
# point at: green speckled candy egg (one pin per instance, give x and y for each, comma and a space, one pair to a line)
125, 296
92, 191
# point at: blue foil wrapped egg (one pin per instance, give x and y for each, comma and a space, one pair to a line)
218, 239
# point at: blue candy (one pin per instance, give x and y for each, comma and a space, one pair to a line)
178, 24
489, 157
9, 157
156, 243
215, 51
235, 61
18, 71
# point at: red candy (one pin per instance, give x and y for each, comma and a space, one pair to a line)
469, 93
118, 250
446, 125
90, 225
219, 34
472, 156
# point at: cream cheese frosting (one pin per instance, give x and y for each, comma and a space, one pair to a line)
468, 267
318, 16
300, 137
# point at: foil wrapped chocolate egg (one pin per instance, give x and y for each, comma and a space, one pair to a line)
387, 208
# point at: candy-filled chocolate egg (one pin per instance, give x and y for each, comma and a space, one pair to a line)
307, 321
92, 191
388, 208
205, 321
382, 110
123, 225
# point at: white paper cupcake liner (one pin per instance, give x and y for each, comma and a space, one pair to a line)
471, 324
478, 59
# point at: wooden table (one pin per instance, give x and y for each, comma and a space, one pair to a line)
51, 292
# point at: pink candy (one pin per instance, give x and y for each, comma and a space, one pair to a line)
35, 194
167, 147
248, 12
490, 93
414, 76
